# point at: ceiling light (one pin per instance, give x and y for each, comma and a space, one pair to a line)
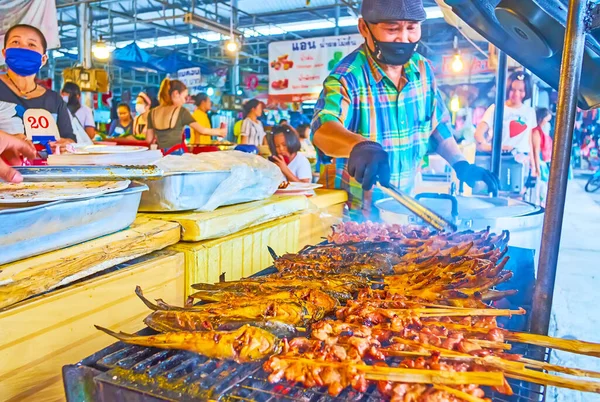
210, 91
455, 104
232, 46
100, 50
457, 63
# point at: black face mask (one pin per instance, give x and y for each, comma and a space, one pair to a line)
392, 53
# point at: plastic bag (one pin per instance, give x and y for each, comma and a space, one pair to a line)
251, 177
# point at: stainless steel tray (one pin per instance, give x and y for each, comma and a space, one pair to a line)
181, 192
33, 230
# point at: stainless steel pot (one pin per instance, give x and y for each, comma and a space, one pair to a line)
522, 219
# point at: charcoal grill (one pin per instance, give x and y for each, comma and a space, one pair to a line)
132, 373
124, 372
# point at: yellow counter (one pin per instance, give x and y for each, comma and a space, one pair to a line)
198, 226
41, 335
245, 252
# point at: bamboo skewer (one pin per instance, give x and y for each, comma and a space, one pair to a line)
515, 369
567, 345
425, 313
411, 376
460, 394
579, 347
559, 369
527, 362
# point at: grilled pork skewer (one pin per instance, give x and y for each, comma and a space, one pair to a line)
243, 345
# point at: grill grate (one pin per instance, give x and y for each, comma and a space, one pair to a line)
125, 372
178, 375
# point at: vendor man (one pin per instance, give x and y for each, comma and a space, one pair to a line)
380, 110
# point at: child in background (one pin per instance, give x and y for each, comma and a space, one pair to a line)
285, 147
305, 145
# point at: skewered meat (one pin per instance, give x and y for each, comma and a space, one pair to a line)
245, 344
296, 314
313, 296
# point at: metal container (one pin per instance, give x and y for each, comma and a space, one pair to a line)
523, 220
45, 227
181, 191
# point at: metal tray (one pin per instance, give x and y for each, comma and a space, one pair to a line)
33, 230
181, 192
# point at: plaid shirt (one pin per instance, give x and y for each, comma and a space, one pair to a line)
408, 122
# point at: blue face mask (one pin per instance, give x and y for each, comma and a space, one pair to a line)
23, 62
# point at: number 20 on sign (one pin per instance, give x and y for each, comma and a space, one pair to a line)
39, 122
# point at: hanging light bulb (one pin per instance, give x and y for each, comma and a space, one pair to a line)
457, 63
100, 50
455, 104
232, 46
210, 91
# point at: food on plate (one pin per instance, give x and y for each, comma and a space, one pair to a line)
11, 193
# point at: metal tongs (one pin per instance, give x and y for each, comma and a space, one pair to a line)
88, 173
426, 214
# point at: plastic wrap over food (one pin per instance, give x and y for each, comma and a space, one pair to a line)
250, 178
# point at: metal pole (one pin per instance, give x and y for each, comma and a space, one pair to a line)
568, 91
52, 69
499, 112
235, 72
337, 18
85, 39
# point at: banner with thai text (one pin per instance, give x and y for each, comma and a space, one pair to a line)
298, 68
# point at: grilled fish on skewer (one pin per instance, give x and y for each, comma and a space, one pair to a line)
205, 320
245, 344
228, 300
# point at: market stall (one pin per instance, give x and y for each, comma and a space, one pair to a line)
341, 355
66, 263
237, 307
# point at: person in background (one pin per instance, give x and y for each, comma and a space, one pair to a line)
541, 144
24, 54
305, 145
253, 132
519, 119
143, 104
71, 94
544, 116
294, 166
12, 149
203, 106
123, 126
463, 129
167, 121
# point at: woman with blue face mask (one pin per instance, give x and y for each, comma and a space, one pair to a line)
24, 54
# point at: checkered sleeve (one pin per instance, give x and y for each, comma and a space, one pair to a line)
333, 104
440, 122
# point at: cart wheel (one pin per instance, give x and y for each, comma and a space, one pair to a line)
593, 183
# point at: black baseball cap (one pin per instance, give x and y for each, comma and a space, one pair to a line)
376, 11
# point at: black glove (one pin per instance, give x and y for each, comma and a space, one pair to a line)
368, 164
471, 174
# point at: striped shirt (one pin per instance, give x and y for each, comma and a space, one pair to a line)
254, 131
408, 122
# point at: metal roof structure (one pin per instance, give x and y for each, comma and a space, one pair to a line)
158, 27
